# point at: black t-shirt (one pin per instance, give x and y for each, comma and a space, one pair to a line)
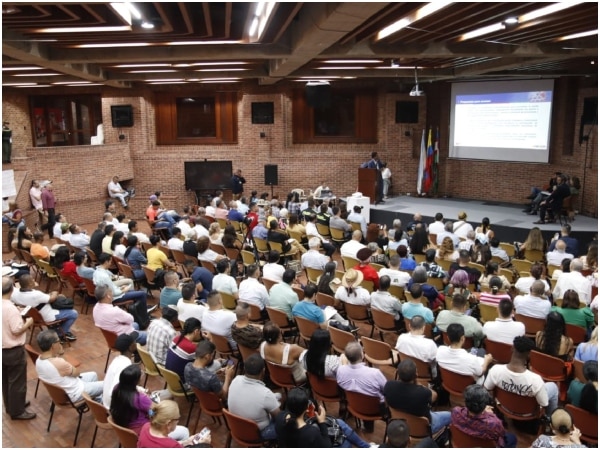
189, 248
309, 436
410, 398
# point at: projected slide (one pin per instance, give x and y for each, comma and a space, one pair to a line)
506, 121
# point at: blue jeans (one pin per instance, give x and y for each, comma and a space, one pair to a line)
439, 420
142, 335
552, 390
510, 440
352, 439
132, 295
268, 433
70, 315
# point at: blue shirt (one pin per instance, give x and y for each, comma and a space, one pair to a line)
308, 310
409, 310
202, 275
235, 215
169, 296
407, 264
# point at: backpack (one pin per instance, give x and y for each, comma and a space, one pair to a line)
140, 314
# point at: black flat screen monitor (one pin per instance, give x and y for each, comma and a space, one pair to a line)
207, 175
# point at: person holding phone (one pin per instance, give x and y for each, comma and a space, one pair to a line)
14, 362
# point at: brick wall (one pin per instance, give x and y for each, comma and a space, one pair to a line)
80, 174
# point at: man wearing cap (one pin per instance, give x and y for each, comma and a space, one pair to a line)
161, 333
116, 191
14, 362
461, 227
112, 318
369, 273
126, 344
49, 203
351, 291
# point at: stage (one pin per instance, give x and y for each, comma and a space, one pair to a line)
507, 220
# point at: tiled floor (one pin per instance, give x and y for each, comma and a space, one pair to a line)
91, 350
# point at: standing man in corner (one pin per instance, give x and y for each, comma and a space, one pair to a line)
49, 205
237, 184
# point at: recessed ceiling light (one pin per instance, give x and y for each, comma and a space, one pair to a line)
147, 25
343, 68
152, 71
21, 68
113, 44
353, 61
511, 20
36, 74
203, 42
127, 66
233, 69
82, 29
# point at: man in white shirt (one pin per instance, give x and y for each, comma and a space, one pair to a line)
576, 281
116, 191
397, 277
311, 231
504, 329
352, 247
448, 232
384, 301
415, 344
186, 229
456, 359
251, 290
176, 242
134, 231
536, 304
498, 251
35, 194
273, 270
356, 217
78, 238
223, 281
313, 258
523, 284
555, 257
437, 227
218, 320
461, 227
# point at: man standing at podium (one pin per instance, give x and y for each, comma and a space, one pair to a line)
375, 163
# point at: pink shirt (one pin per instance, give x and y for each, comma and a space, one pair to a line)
112, 318
12, 323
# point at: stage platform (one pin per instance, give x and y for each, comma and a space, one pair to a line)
507, 220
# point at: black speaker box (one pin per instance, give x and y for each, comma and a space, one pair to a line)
262, 112
590, 111
407, 112
318, 95
271, 175
121, 115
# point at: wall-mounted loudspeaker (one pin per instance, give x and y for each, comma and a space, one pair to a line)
407, 112
318, 94
271, 175
121, 115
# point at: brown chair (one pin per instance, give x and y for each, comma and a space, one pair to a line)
245, 432
460, 439
368, 285
249, 258
359, 314
39, 322
455, 384
587, 424
508, 248
261, 246
92, 258
150, 276
423, 368
306, 328
255, 315
224, 348
60, 398
338, 236
578, 370
229, 301
578, 334
548, 367
428, 328
217, 248
325, 389
437, 283
268, 283
299, 292
378, 352
522, 265
127, 438
245, 352
210, 403
534, 255
384, 322
500, 351
324, 300
280, 318
551, 269
90, 292
324, 230
100, 415
364, 407
488, 313
150, 367
532, 325
126, 271
468, 344
339, 339
281, 375
110, 339
517, 407
419, 427
177, 389
398, 292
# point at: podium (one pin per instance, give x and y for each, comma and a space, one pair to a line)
367, 183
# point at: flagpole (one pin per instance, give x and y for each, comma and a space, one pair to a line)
421, 164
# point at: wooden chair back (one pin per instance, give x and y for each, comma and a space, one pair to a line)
578, 370
586, 422
437, 283
339, 339
222, 345
460, 439
358, 314
488, 313
217, 248
532, 324
368, 285
455, 383
255, 314
281, 375
312, 275
363, 407
508, 248
467, 345
60, 398
245, 432
548, 367
578, 334
517, 407
534, 255
419, 427
128, 438
323, 230
261, 246
306, 328
423, 368
338, 236
111, 339
100, 415
229, 301
39, 322
210, 403
522, 265
398, 292
324, 389
268, 283
500, 351
246, 352
150, 367
377, 352
384, 322
350, 262
324, 299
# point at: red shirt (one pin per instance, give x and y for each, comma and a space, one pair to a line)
69, 268
369, 274
48, 199
146, 440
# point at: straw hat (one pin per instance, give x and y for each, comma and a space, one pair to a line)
462, 215
352, 278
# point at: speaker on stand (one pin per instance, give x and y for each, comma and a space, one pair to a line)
271, 178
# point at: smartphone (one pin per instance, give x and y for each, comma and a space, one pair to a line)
310, 411
25, 311
205, 431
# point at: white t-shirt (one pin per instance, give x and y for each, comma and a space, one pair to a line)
351, 248
531, 306
252, 291
417, 346
523, 284
112, 186
219, 322
436, 228
460, 361
175, 244
397, 277
111, 379
461, 228
360, 296
272, 271
224, 283
187, 310
57, 371
503, 330
527, 384
34, 298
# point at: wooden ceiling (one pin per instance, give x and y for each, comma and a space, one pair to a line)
298, 41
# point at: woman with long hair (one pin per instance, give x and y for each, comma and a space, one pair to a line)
134, 257
317, 359
130, 407
116, 245
294, 432
535, 241
419, 243
590, 260
447, 251
294, 205
183, 347
481, 253
205, 253
230, 238
273, 349
215, 233
552, 340
484, 229
23, 240
572, 313
63, 263
327, 278
295, 226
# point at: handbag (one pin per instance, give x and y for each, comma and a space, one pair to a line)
334, 431
62, 302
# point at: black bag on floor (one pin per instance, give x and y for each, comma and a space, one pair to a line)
140, 314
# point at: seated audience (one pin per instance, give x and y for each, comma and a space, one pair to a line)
275, 350
351, 248
253, 291
160, 334
163, 422
585, 395
416, 344
351, 291
504, 329
201, 372
456, 315
523, 284
433, 269
572, 313
318, 359
273, 270
494, 296
552, 339
182, 349
566, 435
313, 258
242, 331
397, 276
187, 306
218, 320
576, 281
434, 297
535, 304
587, 351
307, 309
282, 296
386, 302
491, 271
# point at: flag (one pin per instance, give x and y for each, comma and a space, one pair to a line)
428, 172
421, 164
436, 160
